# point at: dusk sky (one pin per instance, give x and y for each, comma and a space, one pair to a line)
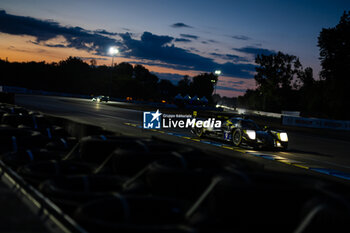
170, 38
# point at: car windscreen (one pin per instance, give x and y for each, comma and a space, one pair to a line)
249, 125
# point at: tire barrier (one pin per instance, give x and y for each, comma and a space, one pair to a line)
14, 139
258, 202
96, 149
23, 157
37, 172
116, 183
129, 214
69, 192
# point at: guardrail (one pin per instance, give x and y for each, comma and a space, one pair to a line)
243, 111
315, 123
22, 90
292, 118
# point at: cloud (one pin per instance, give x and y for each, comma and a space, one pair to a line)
236, 82
189, 36
13, 48
182, 40
93, 58
55, 45
229, 57
150, 48
213, 41
209, 41
255, 50
104, 32
234, 85
180, 25
194, 49
158, 48
241, 37
44, 30
235, 57
230, 89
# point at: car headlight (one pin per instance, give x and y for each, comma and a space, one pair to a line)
251, 134
283, 137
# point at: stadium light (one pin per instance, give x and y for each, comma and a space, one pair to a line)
217, 72
113, 51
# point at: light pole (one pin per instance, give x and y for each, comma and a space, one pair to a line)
112, 51
217, 73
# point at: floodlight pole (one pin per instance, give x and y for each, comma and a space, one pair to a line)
112, 60
112, 51
111, 77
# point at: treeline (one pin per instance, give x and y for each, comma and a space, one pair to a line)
73, 75
283, 84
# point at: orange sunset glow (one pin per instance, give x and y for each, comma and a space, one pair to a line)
24, 49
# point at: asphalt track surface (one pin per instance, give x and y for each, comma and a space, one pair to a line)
307, 154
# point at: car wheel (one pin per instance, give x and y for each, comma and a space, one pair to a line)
237, 137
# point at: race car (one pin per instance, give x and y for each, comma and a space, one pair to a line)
244, 132
100, 98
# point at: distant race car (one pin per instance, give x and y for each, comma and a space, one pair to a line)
100, 98
241, 131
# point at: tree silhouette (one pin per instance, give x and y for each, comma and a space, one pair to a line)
203, 85
73, 64
276, 71
334, 46
166, 89
145, 83
75, 76
279, 77
124, 69
306, 78
93, 62
282, 83
184, 85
